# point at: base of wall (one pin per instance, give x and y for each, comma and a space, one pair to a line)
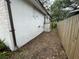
47, 27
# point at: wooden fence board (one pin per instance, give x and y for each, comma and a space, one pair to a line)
68, 31
73, 39
69, 34
76, 55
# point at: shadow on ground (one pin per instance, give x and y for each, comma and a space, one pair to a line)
45, 46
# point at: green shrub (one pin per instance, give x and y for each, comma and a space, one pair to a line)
4, 53
53, 24
2, 46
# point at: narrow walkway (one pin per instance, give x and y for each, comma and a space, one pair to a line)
45, 46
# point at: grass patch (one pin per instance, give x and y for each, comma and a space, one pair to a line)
5, 55
4, 51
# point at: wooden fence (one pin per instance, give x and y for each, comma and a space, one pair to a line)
68, 30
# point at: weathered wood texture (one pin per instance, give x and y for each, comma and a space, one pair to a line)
68, 30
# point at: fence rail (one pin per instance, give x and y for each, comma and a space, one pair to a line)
68, 30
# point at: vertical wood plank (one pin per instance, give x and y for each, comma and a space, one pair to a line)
69, 35
76, 55
73, 38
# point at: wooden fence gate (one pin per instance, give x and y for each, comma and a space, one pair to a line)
68, 30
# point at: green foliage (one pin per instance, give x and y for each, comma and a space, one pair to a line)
4, 53
2, 46
56, 12
54, 24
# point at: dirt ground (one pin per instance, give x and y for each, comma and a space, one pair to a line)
45, 46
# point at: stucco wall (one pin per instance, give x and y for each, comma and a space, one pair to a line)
28, 22
47, 26
5, 25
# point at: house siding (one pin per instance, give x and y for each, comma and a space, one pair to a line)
28, 21
5, 34
34, 21
47, 26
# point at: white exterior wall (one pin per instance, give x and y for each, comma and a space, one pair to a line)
28, 22
47, 26
5, 25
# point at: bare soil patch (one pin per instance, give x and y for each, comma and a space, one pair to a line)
45, 46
